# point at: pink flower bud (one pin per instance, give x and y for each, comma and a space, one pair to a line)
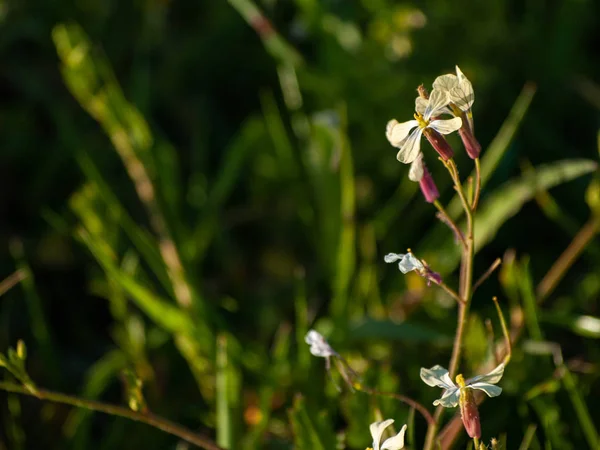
439, 143
471, 145
428, 187
469, 413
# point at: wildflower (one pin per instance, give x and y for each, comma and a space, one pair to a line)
418, 172
427, 123
318, 345
408, 263
393, 443
461, 97
461, 393
438, 376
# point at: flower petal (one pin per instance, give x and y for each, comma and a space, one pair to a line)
397, 132
446, 126
490, 389
445, 82
493, 377
437, 100
409, 263
393, 257
411, 147
376, 429
449, 399
437, 376
318, 345
421, 105
416, 169
462, 95
395, 442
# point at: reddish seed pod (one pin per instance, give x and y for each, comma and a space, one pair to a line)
471, 145
439, 143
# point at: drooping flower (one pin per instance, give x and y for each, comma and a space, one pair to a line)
393, 443
427, 123
408, 262
438, 376
319, 345
461, 97
459, 88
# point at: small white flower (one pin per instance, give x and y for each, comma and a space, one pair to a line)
408, 261
393, 443
318, 345
459, 89
438, 376
410, 144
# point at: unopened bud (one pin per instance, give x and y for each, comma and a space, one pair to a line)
428, 187
21, 350
468, 409
472, 147
439, 143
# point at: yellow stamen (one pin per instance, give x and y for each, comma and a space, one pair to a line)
460, 381
422, 122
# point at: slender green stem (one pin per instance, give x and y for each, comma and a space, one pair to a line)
114, 410
444, 217
465, 288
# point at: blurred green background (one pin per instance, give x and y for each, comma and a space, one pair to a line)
187, 189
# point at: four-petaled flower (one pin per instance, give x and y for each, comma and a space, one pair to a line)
438, 376
428, 123
393, 443
318, 345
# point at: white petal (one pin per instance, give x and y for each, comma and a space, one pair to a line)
410, 263
395, 442
437, 100
421, 104
437, 376
490, 389
416, 169
411, 147
318, 345
376, 429
446, 126
445, 82
493, 377
393, 257
397, 132
462, 95
449, 399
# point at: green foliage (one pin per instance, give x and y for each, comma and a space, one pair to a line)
191, 187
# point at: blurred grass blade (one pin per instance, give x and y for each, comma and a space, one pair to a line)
310, 432
346, 247
164, 314
586, 326
528, 438
37, 316
141, 239
223, 411
493, 154
526, 289
402, 331
98, 378
278, 47
581, 409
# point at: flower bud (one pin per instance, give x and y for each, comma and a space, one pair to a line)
471, 145
439, 143
468, 409
428, 187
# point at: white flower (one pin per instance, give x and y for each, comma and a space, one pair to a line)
318, 345
407, 263
416, 170
459, 89
393, 443
438, 376
410, 144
